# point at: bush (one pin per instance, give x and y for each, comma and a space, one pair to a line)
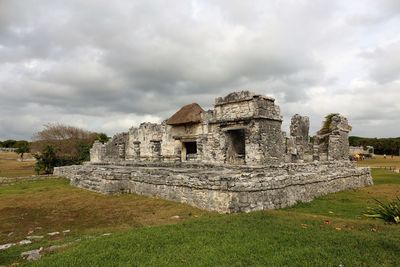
49, 158
388, 212
46, 161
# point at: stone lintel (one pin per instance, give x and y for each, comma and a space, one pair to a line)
186, 137
232, 128
245, 119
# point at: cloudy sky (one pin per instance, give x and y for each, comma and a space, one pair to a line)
107, 65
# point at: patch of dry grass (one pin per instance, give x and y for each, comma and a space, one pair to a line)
10, 166
380, 161
53, 205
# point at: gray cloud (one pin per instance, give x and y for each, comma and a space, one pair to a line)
385, 63
108, 65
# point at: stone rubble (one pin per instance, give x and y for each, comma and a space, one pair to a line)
6, 246
32, 255
34, 237
53, 233
25, 242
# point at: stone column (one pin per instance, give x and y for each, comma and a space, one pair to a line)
121, 150
316, 151
299, 131
155, 150
136, 150
178, 152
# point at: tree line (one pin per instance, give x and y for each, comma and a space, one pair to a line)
10, 143
388, 146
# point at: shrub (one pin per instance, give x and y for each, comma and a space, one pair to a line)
326, 126
46, 161
389, 212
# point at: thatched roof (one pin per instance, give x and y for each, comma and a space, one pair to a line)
187, 114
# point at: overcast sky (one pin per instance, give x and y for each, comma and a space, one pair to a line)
107, 65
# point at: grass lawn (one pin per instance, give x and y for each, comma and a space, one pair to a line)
52, 205
10, 167
326, 232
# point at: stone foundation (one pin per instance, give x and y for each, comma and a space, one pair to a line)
220, 188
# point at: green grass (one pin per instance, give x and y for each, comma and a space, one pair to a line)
352, 204
256, 239
328, 231
385, 177
53, 205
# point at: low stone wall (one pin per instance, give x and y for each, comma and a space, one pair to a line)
218, 187
12, 180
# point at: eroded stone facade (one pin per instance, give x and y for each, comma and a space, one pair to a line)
229, 159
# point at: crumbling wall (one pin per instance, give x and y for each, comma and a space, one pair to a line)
332, 141
271, 141
115, 149
214, 131
98, 152
221, 188
298, 146
142, 138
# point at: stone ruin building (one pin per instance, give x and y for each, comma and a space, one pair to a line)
230, 159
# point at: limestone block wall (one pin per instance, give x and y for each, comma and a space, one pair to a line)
299, 134
338, 146
115, 149
218, 187
98, 152
143, 137
271, 141
235, 110
242, 105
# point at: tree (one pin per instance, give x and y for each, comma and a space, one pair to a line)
70, 145
22, 148
66, 139
102, 137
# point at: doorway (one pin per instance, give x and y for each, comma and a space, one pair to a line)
236, 146
190, 150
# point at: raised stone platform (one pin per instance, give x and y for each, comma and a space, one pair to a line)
220, 188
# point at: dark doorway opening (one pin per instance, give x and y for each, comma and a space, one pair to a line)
191, 147
236, 146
